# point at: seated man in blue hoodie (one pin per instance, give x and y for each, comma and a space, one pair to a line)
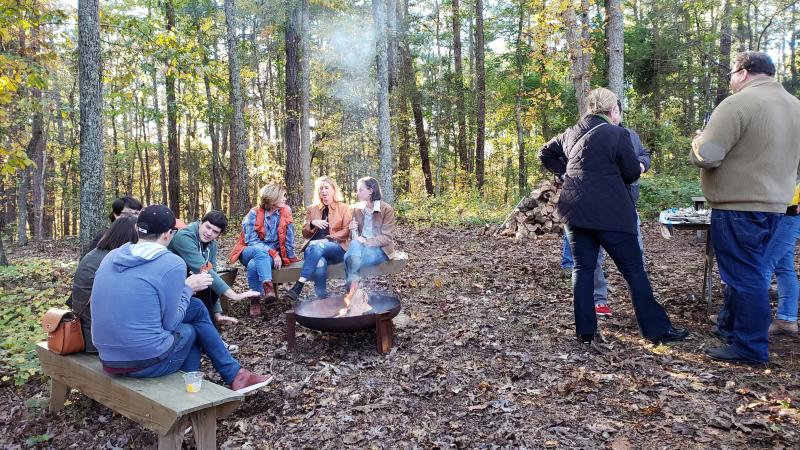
146, 322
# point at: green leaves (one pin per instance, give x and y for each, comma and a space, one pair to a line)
29, 289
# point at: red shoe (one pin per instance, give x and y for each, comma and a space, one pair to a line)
269, 292
246, 381
602, 310
255, 307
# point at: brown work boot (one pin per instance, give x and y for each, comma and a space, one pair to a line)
269, 292
255, 307
246, 381
783, 327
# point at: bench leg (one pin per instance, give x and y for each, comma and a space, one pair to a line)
204, 427
173, 439
58, 394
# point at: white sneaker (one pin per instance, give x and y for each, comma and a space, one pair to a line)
232, 348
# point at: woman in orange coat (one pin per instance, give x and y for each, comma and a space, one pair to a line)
327, 233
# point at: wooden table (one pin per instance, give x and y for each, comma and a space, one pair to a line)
667, 230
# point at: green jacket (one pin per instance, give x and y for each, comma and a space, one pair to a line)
186, 244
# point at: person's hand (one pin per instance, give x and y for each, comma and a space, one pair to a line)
199, 281
353, 225
319, 223
246, 294
277, 262
361, 239
641, 165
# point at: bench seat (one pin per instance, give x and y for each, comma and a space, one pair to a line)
158, 404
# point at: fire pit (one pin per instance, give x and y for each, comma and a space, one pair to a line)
321, 315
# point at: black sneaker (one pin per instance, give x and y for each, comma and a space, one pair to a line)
294, 292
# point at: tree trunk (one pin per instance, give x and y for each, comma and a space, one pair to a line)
522, 172
22, 206
386, 170
461, 141
293, 175
162, 164
65, 166
793, 51
305, 89
579, 57
148, 186
480, 88
724, 51
615, 46
239, 197
419, 125
173, 149
91, 106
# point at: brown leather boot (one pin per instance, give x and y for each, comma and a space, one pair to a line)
269, 292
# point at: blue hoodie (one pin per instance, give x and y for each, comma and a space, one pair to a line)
139, 298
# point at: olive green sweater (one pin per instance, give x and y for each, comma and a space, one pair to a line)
750, 150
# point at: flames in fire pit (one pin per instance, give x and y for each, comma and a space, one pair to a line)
356, 303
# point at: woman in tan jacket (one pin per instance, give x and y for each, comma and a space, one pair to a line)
373, 224
327, 236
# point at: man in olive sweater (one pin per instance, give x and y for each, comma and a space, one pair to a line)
748, 155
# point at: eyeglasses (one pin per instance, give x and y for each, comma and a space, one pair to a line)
735, 70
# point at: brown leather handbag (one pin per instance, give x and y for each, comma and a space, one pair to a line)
64, 334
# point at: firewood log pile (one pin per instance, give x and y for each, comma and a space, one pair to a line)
535, 215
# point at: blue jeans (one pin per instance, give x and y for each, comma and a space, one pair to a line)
740, 240
624, 250
259, 267
316, 258
780, 259
359, 255
195, 335
600, 283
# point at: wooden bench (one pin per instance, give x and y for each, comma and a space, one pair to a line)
158, 404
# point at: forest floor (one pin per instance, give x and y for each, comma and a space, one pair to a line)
484, 357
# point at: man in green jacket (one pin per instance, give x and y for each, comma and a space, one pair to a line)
197, 245
748, 155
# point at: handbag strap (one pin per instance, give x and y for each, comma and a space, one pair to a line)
584, 136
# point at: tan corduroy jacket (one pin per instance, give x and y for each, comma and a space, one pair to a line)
383, 226
750, 150
339, 217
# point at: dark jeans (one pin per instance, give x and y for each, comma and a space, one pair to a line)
623, 248
195, 335
740, 240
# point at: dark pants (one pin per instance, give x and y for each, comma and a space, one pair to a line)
740, 240
194, 336
623, 248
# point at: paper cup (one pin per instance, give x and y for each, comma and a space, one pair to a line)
193, 381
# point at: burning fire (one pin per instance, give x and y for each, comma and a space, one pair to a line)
355, 302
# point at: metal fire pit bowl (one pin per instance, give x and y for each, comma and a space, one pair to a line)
320, 315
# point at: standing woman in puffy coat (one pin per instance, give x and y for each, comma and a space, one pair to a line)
596, 161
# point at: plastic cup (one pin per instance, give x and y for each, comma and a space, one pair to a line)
193, 381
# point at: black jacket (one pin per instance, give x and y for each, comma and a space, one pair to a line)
598, 170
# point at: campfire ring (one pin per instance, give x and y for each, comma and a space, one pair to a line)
320, 315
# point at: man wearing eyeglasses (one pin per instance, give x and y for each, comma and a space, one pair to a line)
748, 155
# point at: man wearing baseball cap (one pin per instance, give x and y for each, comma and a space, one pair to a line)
146, 322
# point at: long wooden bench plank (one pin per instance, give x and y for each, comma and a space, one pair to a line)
290, 273
155, 403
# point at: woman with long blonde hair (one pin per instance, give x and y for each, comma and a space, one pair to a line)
327, 236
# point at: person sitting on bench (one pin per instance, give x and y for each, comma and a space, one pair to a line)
196, 244
327, 233
266, 242
121, 232
121, 207
372, 231
146, 322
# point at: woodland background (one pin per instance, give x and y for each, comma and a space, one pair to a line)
196, 104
